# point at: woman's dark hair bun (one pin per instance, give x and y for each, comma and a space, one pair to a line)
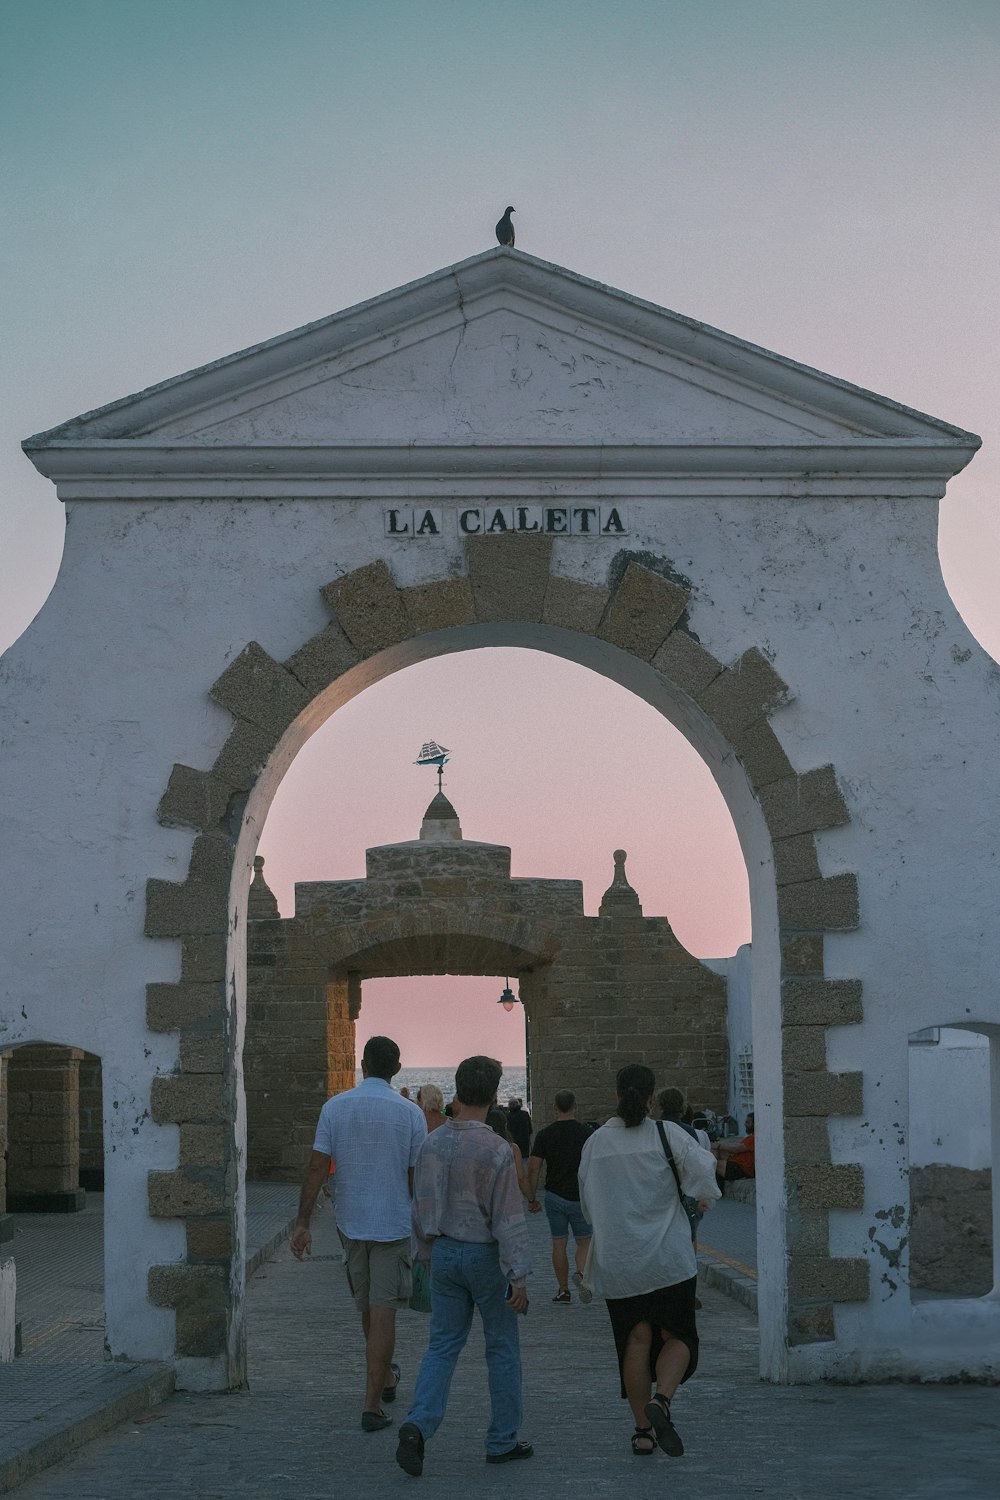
634, 1084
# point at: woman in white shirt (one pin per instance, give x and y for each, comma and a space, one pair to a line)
641, 1259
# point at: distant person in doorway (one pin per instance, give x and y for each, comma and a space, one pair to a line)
560, 1146
431, 1101
519, 1124
373, 1135
496, 1119
641, 1258
670, 1104
468, 1220
736, 1159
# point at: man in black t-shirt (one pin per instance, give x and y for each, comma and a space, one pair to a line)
560, 1146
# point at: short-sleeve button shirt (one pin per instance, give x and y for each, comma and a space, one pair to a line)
373, 1135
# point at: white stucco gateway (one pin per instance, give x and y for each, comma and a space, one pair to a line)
746, 543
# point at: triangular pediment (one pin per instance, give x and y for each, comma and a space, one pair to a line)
500, 350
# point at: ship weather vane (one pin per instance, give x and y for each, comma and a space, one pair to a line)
433, 754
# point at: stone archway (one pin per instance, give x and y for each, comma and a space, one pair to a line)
507, 454
640, 614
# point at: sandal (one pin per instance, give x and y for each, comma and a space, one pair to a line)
562, 1297
667, 1436
389, 1393
644, 1435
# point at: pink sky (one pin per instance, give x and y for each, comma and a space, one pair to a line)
184, 181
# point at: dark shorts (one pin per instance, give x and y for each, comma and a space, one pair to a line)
670, 1308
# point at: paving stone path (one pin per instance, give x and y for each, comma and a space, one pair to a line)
296, 1431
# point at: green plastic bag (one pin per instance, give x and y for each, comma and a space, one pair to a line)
420, 1296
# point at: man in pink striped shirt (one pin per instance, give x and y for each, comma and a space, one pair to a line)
468, 1218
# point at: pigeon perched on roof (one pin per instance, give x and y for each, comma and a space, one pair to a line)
505, 229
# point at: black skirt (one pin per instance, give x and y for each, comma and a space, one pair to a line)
670, 1308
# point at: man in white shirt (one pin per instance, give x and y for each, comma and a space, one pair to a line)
372, 1135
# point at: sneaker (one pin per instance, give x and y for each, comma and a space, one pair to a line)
519, 1450
410, 1449
374, 1421
584, 1292
562, 1297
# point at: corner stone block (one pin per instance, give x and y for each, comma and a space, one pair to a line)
257, 688
804, 804
802, 953
825, 1279
369, 608
824, 1094
210, 1239
203, 1146
203, 959
571, 605
509, 576
194, 908
323, 659
437, 606
183, 1285
204, 1054
642, 611
194, 799
803, 1048
807, 1139
212, 858
178, 1195
821, 1002
795, 860
828, 1185
831, 904
178, 1098
171, 1006
744, 692
811, 1325
201, 1333
685, 663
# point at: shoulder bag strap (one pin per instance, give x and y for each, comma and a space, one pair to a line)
670, 1156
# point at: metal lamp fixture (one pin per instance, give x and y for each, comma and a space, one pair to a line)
508, 999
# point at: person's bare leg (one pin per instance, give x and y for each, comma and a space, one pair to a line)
672, 1361
580, 1253
560, 1262
635, 1371
379, 1324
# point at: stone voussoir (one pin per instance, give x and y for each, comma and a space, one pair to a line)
369, 608
194, 908
257, 688
761, 755
572, 605
439, 605
796, 860
804, 804
194, 799
642, 611
744, 692
324, 657
685, 663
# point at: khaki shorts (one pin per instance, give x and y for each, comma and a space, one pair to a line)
379, 1272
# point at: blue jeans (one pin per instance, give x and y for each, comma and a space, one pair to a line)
465, 1276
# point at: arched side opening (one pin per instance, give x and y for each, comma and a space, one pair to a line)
633, 630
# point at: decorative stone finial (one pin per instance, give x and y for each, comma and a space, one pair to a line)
620, 899
261, 903
440, 825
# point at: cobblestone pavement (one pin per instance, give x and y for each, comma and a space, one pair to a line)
296, 1430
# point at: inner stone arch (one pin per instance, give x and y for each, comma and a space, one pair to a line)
634, 629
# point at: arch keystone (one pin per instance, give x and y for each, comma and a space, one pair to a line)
509, 575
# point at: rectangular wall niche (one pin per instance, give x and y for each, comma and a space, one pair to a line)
952, 1150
